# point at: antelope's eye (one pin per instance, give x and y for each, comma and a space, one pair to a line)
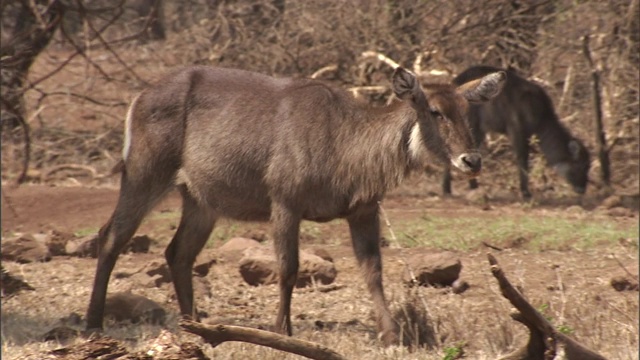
435, 113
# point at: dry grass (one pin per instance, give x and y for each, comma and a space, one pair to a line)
477, 320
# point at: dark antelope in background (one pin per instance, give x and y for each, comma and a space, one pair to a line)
520, 111
247, 146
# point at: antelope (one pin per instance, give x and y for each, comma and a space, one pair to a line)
521, 110
251, 147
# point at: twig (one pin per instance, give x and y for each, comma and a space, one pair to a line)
492, 246
217, 334
563, 298
634, 277
322, 289
380, 57
323, 70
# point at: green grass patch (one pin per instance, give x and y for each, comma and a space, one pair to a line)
86, 232
533, 233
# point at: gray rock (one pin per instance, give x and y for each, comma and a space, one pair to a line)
25, 249
126, 306
440, 269
258, 267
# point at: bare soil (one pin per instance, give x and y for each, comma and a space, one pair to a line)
572, 286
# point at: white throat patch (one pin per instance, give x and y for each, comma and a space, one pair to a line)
417, 151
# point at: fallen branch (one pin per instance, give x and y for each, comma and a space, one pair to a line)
543, 338
217, 334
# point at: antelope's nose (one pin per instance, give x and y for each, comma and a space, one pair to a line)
473, 161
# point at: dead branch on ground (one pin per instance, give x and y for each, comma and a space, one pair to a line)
217, 334
543, 337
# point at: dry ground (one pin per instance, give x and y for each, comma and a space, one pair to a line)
477, 320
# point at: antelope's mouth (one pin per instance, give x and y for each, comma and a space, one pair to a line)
469, 163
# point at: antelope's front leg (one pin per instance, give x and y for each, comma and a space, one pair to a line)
365, 237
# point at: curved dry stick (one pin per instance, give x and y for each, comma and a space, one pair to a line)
543, 344
217, 334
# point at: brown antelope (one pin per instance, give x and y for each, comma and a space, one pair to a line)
520, 111
247, 146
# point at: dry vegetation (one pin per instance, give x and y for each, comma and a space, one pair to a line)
76, 94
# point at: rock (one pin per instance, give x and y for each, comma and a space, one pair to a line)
11, 285
126, 306
459, 286
86, 246
441, 269
159, 271
25, 249
233, 249
313, 268
139, 244
258, 267
322, 253
611, 202
203, 264
622, 283
57, 242
61, 334
620, 211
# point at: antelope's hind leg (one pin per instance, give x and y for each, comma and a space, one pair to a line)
193, 232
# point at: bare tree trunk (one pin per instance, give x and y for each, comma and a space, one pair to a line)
32, 31
601, 142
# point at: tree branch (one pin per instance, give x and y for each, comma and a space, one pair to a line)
217, 334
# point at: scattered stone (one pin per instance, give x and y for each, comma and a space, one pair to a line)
11, 285
159, 271
322, 253
61, 334
72, 319
139, 244
622, 283
257, 235
126, 306
258, 267
459, 286
478, 196
313, 268
441, 269
25, 249
620, 211
57, 242
203, 264
86, 246
233, 249
611, 202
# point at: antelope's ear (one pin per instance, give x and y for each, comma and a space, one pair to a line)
483, 89
405, 84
